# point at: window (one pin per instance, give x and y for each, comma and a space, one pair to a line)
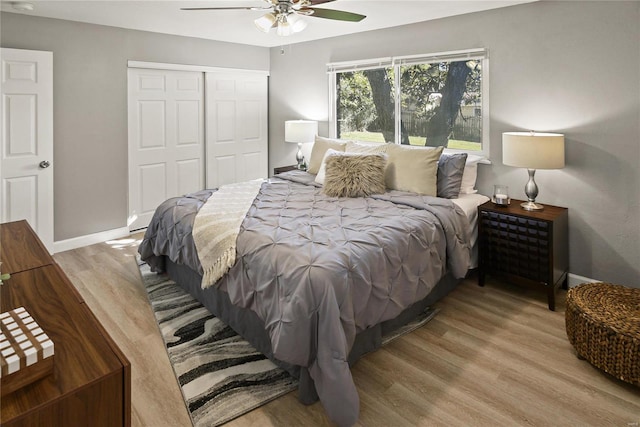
432, 100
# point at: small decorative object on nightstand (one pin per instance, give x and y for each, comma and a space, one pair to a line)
526, 248
501, 195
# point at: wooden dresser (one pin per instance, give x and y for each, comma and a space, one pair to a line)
91, 383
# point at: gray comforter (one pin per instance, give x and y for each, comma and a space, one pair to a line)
317, 270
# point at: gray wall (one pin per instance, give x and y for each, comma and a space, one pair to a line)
90, 107
569, 67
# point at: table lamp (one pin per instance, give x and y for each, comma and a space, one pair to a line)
533, 150
300, 132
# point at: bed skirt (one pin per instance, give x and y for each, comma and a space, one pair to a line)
248, 325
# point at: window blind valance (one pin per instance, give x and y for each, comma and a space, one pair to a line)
365, 64
368, 64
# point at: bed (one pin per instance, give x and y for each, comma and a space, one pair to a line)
469, 204
319, 280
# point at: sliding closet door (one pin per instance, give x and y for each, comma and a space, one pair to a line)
166, 139
237, 128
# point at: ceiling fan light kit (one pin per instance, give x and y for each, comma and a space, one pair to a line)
284, 15
266, 22
286, 25
296, 23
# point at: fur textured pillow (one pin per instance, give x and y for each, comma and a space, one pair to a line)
354, 175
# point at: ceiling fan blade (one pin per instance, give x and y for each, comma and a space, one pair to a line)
315, 2
270, 3
338, 15
225, 8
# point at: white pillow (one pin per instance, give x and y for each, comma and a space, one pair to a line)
470, 174
323, 166
467, 186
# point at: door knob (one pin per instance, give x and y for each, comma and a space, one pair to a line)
44, 164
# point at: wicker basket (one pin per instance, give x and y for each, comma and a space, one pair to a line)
603, 324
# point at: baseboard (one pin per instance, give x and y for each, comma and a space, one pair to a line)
575, 280
90, 239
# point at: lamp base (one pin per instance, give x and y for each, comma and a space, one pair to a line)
300, 158
531, 190
531, 206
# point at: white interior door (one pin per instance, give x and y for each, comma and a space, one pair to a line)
237, 128
166, 139
26, 168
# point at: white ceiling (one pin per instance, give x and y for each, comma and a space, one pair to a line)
237, 26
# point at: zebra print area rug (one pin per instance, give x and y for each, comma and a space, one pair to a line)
221, 375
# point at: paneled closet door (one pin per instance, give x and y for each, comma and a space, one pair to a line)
166, 139
237, 128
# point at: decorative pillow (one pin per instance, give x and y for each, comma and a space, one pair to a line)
366, 148
470, 174
323, 167
354, 175
469, 179
413, 168
320, 146
450, 171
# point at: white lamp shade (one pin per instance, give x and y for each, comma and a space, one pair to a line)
300, 131
284, 29
533, 150
265, 22
297, 24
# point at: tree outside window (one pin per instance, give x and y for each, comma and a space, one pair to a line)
439, 103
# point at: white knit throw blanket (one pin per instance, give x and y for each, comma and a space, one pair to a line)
216, 227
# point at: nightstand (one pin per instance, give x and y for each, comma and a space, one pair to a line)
282, 169
527, 248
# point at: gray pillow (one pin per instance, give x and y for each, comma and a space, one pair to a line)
450, 171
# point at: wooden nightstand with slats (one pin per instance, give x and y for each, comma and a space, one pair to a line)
527, 248
282, 169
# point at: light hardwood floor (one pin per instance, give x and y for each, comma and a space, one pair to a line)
492, 356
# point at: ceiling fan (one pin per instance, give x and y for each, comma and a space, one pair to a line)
284, 15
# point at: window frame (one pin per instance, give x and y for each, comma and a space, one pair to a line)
396, 63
